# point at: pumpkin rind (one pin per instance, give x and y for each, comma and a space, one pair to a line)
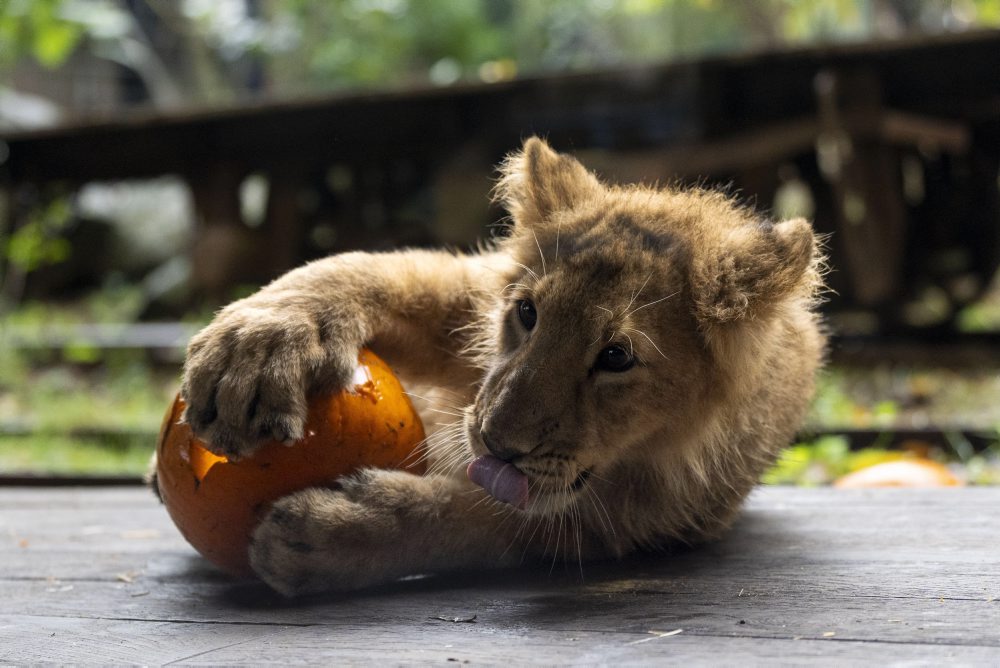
217, 503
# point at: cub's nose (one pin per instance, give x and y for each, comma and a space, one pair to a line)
497, 446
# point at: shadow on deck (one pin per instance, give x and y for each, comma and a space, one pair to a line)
876, 576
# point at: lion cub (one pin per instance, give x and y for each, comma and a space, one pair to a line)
638, 356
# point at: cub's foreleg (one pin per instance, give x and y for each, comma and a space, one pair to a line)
382, 525
248, 373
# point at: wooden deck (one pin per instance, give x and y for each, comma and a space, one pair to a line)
879, 577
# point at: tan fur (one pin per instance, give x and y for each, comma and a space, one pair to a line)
715, 303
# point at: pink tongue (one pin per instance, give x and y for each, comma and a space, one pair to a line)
501, 479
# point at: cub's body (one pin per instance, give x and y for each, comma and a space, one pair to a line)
639, 355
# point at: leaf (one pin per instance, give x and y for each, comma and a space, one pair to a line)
30, 248
456, 620
54, 42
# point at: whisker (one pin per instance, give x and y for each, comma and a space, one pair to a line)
501, 509
610, 313
631, 348
540, 253
447, 466
451, 433
661, 299
445, 412
442, 410
484, 498
531, 272
597, 476
538, 524
436, 399
596, 497
454, 393
638, 331
579, 534
558, 230
446, 449
555, 552
511, 286
600, 517
636, 295
526, 520
549, 521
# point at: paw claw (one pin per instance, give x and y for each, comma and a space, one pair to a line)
248, 372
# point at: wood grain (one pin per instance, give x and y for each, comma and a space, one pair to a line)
842, 576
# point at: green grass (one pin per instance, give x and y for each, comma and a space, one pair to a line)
54, 406
122, 393
65, 455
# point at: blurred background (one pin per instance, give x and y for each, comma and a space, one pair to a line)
160, 158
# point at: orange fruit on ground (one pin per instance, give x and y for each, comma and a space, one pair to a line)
217, 503
901, 473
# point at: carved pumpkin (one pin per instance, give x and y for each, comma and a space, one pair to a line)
217, 503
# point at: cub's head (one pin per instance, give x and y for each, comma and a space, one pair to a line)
617, 336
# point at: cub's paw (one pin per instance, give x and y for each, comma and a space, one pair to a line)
323, 540
247, 375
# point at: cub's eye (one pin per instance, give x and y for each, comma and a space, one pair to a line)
527, 314
614, 358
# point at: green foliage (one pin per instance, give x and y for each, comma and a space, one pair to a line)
52, 410
887, 396
61, 412
358, 42
39, 28
67, 455
124, 393
823, 461
987, 11
984, 469
60, 391
115, 302
982, 316
836, 404
351, 43
39, 242
304, 46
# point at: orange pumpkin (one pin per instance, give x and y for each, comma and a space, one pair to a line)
217, 503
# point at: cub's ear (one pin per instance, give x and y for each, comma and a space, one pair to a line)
536, 181
752, 268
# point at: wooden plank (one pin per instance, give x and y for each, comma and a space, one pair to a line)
325, 645
555, 650
73, 640
777, 604
507, 618
891, 574
72, 499
77, 641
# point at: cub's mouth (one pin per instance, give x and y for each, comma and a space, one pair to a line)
501, 480
506, 482
581, 481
